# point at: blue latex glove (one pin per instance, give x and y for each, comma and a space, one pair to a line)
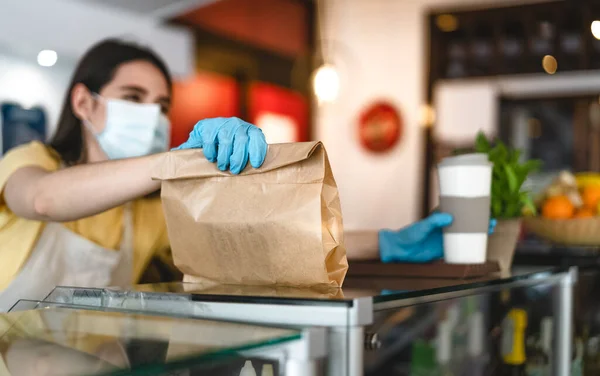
418, 243
230, 142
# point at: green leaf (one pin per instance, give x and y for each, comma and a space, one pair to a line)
482, 144
508, 176
513, 156
532, 165
513, 210
521, 174
502, 151
511, 177
496, 208
496, 190
527, 202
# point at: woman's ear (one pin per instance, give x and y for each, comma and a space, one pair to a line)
82, 102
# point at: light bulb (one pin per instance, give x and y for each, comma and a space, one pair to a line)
596, 29
47, 58
549, 64
427, 115
326, 83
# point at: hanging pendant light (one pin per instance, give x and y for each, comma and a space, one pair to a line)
326, 78
329, 66
326, 83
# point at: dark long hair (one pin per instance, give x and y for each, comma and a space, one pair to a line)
95, 70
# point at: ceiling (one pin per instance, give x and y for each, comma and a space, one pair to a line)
280, 26
276, 25
163, 9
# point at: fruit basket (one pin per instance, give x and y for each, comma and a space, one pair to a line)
570, 211
576, 231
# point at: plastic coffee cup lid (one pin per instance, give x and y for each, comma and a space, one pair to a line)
473, 159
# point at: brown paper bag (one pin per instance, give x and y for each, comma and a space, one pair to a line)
318, 292
280, 224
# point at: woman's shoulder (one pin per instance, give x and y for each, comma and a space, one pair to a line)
32, 153
33, 150
33, 147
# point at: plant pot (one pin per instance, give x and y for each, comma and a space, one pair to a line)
503, 242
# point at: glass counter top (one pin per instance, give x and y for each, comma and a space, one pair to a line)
59, 341
379, 289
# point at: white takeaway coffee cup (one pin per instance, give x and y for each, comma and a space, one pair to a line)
465, 185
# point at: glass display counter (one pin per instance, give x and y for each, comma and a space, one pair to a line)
43, 338
382, 326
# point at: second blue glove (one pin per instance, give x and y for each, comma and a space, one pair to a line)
417, 243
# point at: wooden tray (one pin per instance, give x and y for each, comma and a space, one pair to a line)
437, 269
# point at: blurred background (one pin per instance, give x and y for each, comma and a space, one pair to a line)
389, 86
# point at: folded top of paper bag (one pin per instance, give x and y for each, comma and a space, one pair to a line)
191, 163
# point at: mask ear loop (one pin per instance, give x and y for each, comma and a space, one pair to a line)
88, 124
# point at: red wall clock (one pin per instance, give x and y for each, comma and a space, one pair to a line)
380, 127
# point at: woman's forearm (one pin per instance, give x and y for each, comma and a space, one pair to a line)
80, 191
362, 245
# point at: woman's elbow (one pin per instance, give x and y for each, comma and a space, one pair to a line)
28, 195
27, 200
42, 206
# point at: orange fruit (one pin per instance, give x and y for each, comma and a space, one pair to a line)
558, 207
591, 196
584, 213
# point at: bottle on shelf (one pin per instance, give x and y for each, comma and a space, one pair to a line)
542, 45
542, 38
267, 370
423, 358
444, 348
512, 43
482, 50
539, 350
476, 345
514, 357
547, 339
456, 54
248, 369
577, 365
571, 40
458, 328
497, 311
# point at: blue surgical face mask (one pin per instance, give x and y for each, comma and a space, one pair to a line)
162, 136
133, 130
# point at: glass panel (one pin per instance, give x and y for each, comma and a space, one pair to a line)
62, 341
410, 288
484, 334
587, 318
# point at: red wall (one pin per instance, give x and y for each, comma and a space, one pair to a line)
270, 98
208, 95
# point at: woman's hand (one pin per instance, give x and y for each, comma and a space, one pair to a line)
418, 243
230, 142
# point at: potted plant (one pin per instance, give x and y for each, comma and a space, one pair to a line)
508, 201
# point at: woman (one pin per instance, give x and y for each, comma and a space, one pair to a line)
63, 218
71, 213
